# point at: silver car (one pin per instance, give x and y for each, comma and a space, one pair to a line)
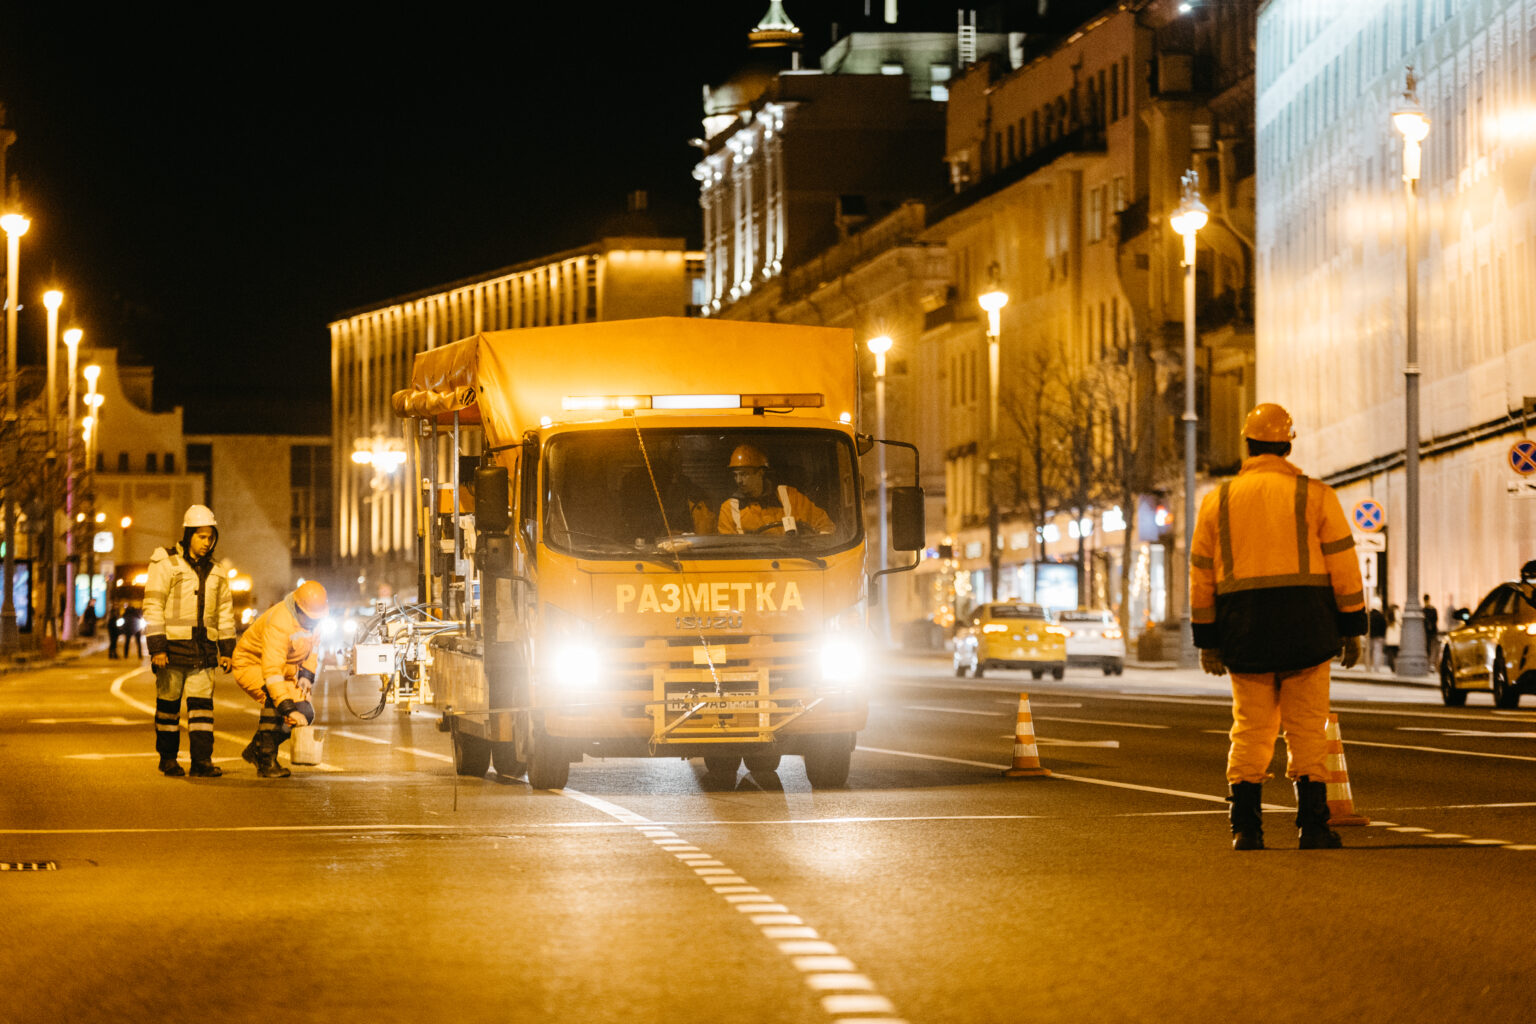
1095, 639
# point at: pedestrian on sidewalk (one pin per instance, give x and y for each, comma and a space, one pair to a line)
1394, 638
1275, 596
114, 628
1431, 632
133, 631
1378, 635
275, 663
189, 614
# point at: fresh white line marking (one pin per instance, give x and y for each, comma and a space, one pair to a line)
775, 922
1096, 721
1408, 828
1448, 835
1485, 842
1472, 733
1440, 750
349, 734
954, 711
434, 755
1048, 741
1056, 775
1014, 703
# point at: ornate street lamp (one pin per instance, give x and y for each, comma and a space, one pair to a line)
15, 225
993, 301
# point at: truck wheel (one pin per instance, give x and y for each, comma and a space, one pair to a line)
504, 757
721, 764
547, 764
827, 761
1057, 673
471, 755
762, 762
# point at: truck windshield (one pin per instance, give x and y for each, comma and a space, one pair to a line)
670, 493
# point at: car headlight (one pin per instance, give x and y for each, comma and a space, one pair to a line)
1112, 634
994, 627
246, 615
349, 626
327, 626
1058, 631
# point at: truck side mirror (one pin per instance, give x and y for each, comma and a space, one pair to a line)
492, 509
908, 532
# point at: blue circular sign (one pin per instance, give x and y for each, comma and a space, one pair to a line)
1522, 457
1369, 516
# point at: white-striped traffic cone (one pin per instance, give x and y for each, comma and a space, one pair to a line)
1026, 756
1341, 803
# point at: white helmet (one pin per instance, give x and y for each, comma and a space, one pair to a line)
198, 515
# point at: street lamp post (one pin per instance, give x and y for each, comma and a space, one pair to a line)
15, 226
52, 299
72, 344
1187, 219
879, 347
1411, 121
91, 425
993, 302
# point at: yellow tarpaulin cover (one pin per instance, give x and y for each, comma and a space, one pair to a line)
516, 377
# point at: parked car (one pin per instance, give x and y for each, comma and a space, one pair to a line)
1011, 634
1494, 649
1094, 638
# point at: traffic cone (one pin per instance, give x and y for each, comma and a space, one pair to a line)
1026, 756
1341, 803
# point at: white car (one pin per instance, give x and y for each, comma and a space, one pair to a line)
1095, 639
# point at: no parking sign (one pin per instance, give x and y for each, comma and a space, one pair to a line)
1368, 515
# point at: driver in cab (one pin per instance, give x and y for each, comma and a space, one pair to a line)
762, 506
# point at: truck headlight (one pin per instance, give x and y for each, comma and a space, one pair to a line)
570, 656
843, 660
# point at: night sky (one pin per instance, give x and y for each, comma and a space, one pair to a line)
209, 194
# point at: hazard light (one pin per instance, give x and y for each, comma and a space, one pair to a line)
600, 403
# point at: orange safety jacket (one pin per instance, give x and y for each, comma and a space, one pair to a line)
765, 514
274, 654
1273, 579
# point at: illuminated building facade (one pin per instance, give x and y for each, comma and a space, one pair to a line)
1333, 282
372, 351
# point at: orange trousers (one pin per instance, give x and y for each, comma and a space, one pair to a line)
1265, 704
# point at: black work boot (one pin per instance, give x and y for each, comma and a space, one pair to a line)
251, 750
168, 766
1312, 816
200, 743
267, 765
1247, 816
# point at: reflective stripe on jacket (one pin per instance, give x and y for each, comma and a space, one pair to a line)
764, 515
171, 610
274, 653
1273, 578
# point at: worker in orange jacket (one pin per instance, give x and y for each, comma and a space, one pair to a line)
1275, 595
275, 663
760, 506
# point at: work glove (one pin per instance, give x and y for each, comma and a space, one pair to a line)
1211, 663
1350, 654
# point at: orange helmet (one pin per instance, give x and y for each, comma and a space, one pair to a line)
310, 597
745, 456
1269, 422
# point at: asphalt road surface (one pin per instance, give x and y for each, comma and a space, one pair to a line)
378, 886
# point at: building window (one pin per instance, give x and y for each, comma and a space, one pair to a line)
151, 463
122, 462
200, 462
170, 462
309, 479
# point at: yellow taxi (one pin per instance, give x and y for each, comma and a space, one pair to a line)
1011, 634
1495, 649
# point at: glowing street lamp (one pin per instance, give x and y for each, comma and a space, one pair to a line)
993, 301
1187, 219
71, 344
52, 300
1413, 124
879, 346
15, 225
91, 426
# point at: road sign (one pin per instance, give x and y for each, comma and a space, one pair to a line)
1367, 568
1522, 488
1371, 541
1522, 457
1369, 516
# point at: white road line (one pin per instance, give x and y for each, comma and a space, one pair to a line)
1047, 741
1439, 750
954, 711
434, 755
1096, 721
348, 734
825, 971
1057, 775
1469, 733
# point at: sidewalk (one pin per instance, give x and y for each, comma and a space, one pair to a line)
29, 658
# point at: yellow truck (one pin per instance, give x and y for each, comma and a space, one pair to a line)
668, 554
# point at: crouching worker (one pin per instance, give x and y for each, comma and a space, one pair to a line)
275, 663
189, 615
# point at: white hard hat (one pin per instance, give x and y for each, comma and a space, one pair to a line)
198, 515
